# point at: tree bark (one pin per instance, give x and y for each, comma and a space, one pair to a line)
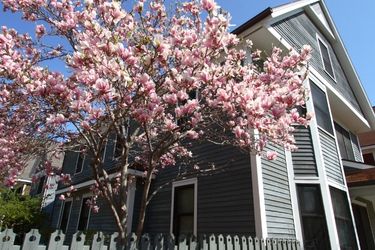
142, 211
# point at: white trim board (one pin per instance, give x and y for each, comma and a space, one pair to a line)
91, 182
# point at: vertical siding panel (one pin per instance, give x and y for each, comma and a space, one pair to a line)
330, 157
304, 158
278, 204
298, 30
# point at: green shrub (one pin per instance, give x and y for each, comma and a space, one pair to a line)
19, 212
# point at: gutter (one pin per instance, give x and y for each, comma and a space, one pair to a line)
265, 13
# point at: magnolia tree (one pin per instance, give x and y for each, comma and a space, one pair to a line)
129, 72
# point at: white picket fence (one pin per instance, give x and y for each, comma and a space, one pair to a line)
101, 241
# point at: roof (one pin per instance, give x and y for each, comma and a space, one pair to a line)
340, 50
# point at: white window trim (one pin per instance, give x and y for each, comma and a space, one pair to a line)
186, 182
318, 38
83, 163
84, 196
61, 213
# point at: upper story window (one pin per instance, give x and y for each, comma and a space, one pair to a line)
326, 58
79, 163
345, 143
323, 117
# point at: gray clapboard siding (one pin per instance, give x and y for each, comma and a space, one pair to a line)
299, 30
356, 149
330, 157
224, 202
279, 213
304, 158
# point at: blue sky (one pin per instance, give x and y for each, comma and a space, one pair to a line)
354, 21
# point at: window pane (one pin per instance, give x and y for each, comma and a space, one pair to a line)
183, 214
326, 60
345, 143
84, 215
323, 118
314, 226
65, 216
343, 219
80, 162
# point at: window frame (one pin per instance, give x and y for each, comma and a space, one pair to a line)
321, 41
62, 213
336, 217
176, 184
80, 211
82, 164
350, 139
311, 83
317, 186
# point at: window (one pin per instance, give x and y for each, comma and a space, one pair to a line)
80, 162
363, 226
323, 117
64, 219
184, 208
84, 215
343, 219
314, 225
369, 159
118, 149
345, 143
326, 58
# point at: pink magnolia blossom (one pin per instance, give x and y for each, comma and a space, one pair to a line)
132, 75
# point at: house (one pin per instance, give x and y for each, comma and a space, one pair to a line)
301, 195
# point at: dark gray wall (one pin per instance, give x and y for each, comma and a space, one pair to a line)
70, 162
330, 157
279, 213
299, 30
304, 158
225, 200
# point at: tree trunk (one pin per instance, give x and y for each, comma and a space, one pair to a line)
142, 211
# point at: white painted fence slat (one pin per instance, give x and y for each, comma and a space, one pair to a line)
56, 241
31, 241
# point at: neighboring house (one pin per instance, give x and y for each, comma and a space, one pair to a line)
45, 186
301, 195
361, 183
367, 142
